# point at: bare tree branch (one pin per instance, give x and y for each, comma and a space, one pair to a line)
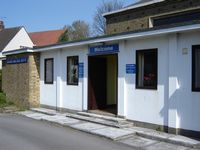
99, 24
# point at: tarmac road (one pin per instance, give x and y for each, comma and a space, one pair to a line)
20, 133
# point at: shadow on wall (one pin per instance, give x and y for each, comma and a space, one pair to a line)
183, 112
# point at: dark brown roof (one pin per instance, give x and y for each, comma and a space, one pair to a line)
6, 35
46, 37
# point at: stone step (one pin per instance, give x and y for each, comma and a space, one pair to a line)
114, 119
100, 119
49, 112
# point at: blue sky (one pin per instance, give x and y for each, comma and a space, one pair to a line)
39, 15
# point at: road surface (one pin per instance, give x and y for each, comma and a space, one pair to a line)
20, 133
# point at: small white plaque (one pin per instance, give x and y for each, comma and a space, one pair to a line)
185, 51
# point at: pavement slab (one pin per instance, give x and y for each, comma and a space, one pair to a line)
138, 142
24, 112
184, 140
133, 136
113, 133
36, 116
154, 135
165, 146
68, 121
88, 127
45, 111
61, 120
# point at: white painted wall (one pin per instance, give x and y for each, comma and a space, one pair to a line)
20, 39
73, 95
146, 105
183, 101
173, 104
48, 92
60, 94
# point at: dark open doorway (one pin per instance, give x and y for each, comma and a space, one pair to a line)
102, 83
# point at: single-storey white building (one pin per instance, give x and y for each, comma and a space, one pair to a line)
150, 77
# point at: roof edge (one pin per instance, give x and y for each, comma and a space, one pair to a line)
132, 7
136, 35
17, 51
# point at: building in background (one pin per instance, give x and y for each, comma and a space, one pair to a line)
147, 14
13, 39
44, 38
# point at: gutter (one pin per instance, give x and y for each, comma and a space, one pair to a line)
133, 7
17, 51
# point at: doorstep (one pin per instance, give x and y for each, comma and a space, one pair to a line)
89, 127
107, 131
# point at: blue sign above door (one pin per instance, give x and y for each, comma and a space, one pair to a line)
104, 49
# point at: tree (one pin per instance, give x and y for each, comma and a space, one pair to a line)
78, 30
64, 36
99, 23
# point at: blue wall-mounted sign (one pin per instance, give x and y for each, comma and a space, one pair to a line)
130, 68
17, 60
81, 70
104, 49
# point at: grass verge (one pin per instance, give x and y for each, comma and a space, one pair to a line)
3, 102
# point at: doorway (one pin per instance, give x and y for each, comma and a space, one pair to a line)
102, 83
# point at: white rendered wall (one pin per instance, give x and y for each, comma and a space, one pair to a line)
60, 94
173, 104
148, 106
184, 104
48, 92
74, 97
20, 39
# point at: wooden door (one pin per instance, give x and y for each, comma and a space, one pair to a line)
97, 83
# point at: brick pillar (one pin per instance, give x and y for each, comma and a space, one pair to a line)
21, 81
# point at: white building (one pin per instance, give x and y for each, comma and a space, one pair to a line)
13, 39
151, 76
171, 99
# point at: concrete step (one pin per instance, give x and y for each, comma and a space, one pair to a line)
100, 119
49, 112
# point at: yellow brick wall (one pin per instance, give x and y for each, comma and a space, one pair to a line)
20, 82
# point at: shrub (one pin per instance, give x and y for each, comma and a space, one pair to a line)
3, 102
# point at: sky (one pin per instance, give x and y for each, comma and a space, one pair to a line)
42, 15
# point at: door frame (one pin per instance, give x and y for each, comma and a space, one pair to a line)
117, 75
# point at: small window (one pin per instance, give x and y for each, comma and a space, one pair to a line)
177, 18
48, 73
72, 70
196, 68
146, 65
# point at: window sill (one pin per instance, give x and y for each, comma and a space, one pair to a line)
70, 84
196, 90
147, 88
48, 82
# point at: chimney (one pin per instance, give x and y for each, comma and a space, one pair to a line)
1, 25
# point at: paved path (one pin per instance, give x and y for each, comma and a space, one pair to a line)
20, 133
128, 136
